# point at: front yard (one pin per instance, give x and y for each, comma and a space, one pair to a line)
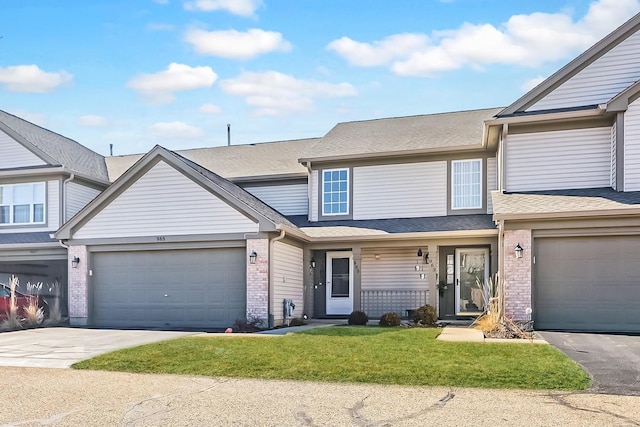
355, 354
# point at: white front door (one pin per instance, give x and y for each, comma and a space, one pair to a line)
339, 282
472, 278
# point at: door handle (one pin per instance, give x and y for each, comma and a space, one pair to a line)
457, 282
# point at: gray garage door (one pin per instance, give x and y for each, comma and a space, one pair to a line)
587, 284
176, 288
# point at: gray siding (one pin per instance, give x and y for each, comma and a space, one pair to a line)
632, 147
77, 196
613, 181
165, 202
313, 203
600, 81
578, 158
287, 279
14, 155
400, 191
395, 270
288, 199
492, 181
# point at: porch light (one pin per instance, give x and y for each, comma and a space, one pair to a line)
419, 254
518, 250
253, 257
376, 257
313, 263
75, 261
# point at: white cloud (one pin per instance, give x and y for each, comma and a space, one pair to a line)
159, 88
161, 1
209, 109
236, 44
531, 83
93, 121
175, 130
524, 40
379, 52
30, 78
236, 7
273, 93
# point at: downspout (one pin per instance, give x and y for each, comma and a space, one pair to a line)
64, 197
501, 256
271, 276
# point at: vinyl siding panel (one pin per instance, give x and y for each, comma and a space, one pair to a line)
165, 202
492, 181
287, 279
394, 270
614, 144
400, 191
632, 147
313, 203
289, 199
78, 196
571, 159
598, 82
15, 155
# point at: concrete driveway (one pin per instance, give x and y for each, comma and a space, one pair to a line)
612, 360
62, 347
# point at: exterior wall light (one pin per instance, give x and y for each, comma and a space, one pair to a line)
253, 257
419, 254
313, 263
75, 261
518, 251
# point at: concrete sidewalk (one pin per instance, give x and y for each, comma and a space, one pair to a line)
466, 334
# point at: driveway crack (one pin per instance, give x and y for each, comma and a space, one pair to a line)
561, 399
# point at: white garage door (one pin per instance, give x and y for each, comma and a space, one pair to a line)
203, 288
587, 283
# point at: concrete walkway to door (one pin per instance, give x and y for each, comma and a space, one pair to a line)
62, 347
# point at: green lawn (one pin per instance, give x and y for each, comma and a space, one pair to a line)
355, 354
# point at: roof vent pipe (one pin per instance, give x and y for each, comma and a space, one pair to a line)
111, 150
228, 134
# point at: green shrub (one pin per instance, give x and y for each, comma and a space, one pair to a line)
426, 315
358, 317
390, 319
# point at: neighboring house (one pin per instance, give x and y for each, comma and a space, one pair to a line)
45, 179
569, 157
384, 215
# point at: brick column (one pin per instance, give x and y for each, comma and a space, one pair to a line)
258, 281
517, 274
78, 287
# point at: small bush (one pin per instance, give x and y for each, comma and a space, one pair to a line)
358, 317
297, 321
253, 324
426, 315
390, 319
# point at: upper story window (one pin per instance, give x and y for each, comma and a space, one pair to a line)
335, 192
466, 184
22, 203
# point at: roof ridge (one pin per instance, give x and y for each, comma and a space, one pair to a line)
421, 115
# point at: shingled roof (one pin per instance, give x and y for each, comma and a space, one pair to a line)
563, 203
279, 158
66, 152
404, 135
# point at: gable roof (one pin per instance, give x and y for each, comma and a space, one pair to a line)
398, 136
572, 68
232, 194
237, 162
53, 148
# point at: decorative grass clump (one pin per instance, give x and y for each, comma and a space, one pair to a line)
390, 319
358, 317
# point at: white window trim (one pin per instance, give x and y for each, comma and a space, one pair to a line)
322, 172
12, 222
453, 185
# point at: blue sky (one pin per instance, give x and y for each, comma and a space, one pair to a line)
135, 73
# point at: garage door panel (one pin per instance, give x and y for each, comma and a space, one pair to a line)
587, 283
202, 288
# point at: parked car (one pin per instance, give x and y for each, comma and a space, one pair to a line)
22, 301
